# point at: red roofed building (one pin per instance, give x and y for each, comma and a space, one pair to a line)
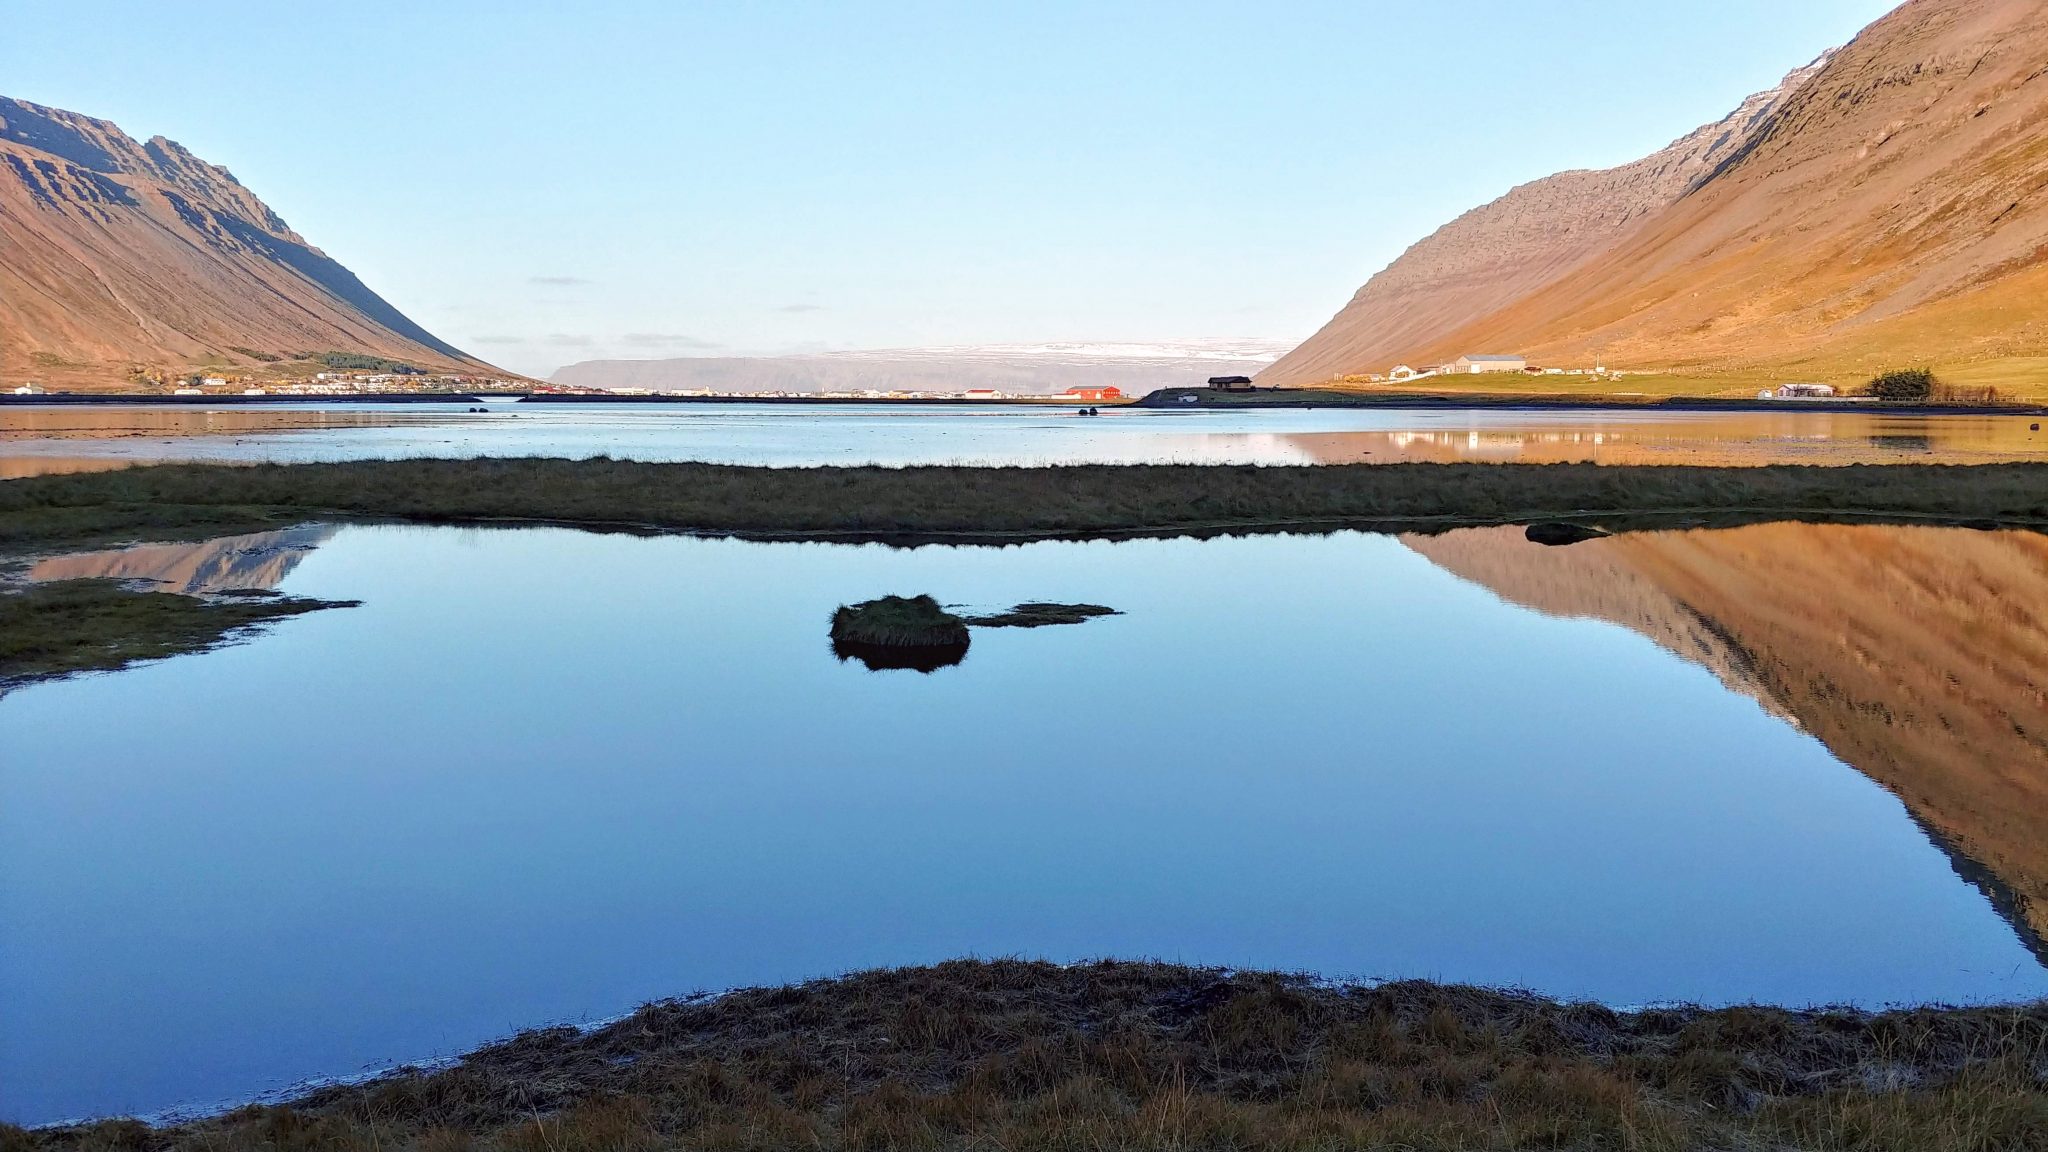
1093, 394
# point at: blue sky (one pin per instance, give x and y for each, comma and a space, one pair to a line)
549, 183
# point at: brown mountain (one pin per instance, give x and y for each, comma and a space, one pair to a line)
1887, 209
1496, 254
116, 254
1919, 656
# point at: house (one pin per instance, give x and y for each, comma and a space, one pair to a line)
1804, 392
1471, 365
30, 389
1231, 383
982, 394
215, 382
1093, 394
1402, 372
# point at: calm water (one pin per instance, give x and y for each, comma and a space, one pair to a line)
541, 775
58, 438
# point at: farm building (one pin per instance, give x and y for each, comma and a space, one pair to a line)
1231, 383
1477, 364
1801, 392
1093, 394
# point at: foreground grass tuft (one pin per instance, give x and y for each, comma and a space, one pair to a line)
912, 505
71, 626
1015, 1055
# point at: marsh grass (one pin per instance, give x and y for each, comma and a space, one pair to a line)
67, 627
1015, 1055
899, 622
1037, 615
996, 505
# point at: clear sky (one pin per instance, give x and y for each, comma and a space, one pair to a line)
544, 183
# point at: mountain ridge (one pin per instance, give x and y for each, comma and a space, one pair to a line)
117, 255
1535, 232
1887, 210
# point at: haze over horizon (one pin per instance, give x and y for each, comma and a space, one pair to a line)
637, 181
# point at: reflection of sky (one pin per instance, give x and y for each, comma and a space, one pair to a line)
544, 775
898, 435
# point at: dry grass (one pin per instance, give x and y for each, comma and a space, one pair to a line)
1012, 1055
997, 504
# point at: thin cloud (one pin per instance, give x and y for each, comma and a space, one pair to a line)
558, 281
801, 308
667, 340
570, 340
497, 340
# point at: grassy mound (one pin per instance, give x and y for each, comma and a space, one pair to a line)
913, 633
898, 622
1014, 1055
65, 627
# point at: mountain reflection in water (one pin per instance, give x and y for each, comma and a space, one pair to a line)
1919, 656
252, 562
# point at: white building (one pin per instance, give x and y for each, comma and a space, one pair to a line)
1801, 392
1468, 365
30, 389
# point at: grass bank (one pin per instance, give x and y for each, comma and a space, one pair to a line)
1013, 1055
66, 627
995, 504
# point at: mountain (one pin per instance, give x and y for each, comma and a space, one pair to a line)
1918, 656
1885, 209
1496, 254
116, 254
1022, 369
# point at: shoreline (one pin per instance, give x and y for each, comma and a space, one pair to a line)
970, 505
1016, 1054
1164, 399
147, 400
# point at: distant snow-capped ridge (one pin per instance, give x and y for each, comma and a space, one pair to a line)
1235, 350
1016, 369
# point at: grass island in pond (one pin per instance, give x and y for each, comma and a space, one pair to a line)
919, 633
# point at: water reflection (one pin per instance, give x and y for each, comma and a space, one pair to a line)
141, 421
1919, 656
545, 775
257, 561
80, 438
925, 658
1742, 439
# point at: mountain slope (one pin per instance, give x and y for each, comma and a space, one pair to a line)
115, 253
1890, 210
1498, 253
